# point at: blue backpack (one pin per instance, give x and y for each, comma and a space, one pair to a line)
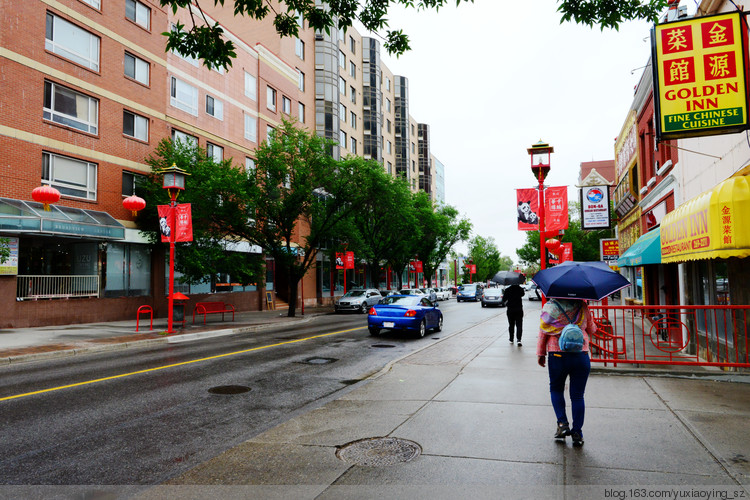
571, 337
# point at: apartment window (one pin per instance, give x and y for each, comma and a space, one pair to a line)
342, 59
70, 176
353, 94
301, 112
97, 4
137, 69
352, 44
216, 153
286, 105
135, 126
342, 111
271, 98
249, 165
387, 84
299, 49
251, 86
138, 13
388, 105
352, 69
412, 147
130, 182
388, 126
251, 128
185, 57
214, 107
186, 139
389, 147
342, 138
70, 108
71, 42
184, 96
342, 85
300, 80
270, 131
353, 147
353, 120
390, 168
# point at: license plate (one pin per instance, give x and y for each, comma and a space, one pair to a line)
388, 324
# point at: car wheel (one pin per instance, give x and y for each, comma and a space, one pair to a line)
439, 326
374, 331
484, 305
422, 328
363, 308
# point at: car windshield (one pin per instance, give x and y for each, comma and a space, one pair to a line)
402, 300
354, 293
469, 288
493, 292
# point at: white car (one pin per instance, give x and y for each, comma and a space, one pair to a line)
358, 300
443, 293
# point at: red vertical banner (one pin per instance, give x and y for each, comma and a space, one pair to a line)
165, 222
339, 260
349, 260
183, 222
566, 252
528, 209
418, 266
556, 208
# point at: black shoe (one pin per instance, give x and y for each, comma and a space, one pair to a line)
511, 341
562, 431
577, 438
519, 343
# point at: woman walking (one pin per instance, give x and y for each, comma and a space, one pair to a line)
556, 314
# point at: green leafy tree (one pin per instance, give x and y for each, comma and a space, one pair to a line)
441, 229
485, 255
298, 192
215, 192
205, 40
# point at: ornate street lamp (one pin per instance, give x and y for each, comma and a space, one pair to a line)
540, 166
174, 182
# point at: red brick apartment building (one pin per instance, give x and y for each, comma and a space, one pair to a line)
88, 91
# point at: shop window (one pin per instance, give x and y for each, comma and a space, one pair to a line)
127, 270
70, 176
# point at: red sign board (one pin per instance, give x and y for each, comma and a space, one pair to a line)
344, 260
178, 220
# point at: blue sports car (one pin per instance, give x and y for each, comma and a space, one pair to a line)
405, 312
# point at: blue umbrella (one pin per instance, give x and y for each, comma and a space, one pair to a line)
579, 280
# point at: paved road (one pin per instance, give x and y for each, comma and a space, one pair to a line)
140, 416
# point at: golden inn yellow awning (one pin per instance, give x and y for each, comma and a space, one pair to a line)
713, 225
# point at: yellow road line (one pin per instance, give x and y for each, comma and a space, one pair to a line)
78, 384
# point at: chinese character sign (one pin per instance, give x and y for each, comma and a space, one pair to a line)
415, 266
528, 209
700, 76
595, 207
566, 252
609, 249
182, 225
556, 208
344, 260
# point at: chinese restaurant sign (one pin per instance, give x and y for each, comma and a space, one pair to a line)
700, 76
595, 207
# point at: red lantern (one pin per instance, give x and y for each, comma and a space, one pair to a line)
134, 203
45, 195
553, 245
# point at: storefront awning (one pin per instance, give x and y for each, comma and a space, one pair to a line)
19, 217
645, 250
713, 225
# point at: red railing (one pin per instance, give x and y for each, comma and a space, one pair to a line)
714, 335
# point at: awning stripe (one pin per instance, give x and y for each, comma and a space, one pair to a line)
646, 250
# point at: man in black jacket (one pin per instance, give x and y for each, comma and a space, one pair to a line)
513, 298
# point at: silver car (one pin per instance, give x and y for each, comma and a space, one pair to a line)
359, 300
430, 293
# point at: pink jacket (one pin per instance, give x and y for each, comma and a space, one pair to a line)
553, 321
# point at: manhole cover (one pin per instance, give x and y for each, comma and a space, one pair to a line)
319, 361
379, 451
229, 389
383, 345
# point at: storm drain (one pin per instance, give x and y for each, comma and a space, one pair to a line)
319, 361
383, 345
229, 389
379, 452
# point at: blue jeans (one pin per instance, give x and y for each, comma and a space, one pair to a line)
577, 366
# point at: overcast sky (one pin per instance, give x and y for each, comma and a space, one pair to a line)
493, 77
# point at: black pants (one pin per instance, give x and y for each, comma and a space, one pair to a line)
515, 322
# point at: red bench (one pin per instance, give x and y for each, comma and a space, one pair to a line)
206, 308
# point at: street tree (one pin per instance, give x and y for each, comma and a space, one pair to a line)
216, 193
441, 230
485, 255
205, 40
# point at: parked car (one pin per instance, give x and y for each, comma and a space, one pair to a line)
443, 293
532, 290
405, 312
430, 293
492, 296
411, 291
359, 300
471, 291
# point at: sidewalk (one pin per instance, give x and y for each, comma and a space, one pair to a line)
466, 416
470, 416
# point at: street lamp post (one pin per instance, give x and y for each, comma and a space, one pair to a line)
540, 166
174, 182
